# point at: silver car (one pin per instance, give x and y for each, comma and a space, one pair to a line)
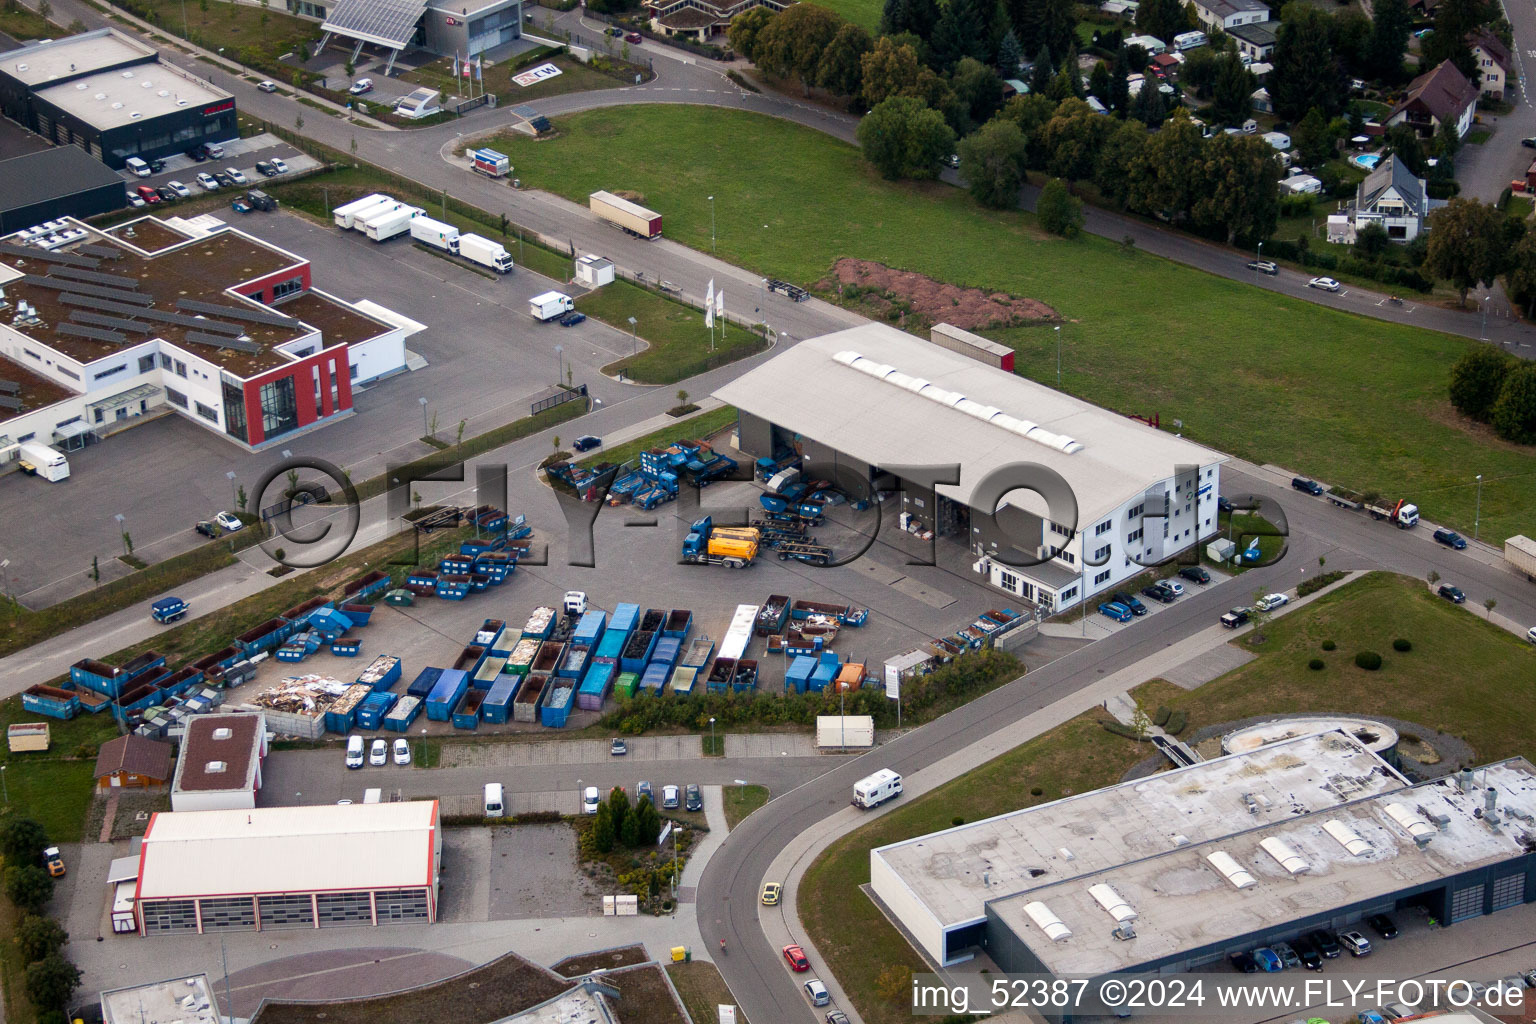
818, 993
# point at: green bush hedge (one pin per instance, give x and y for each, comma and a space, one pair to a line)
1401, 644
1176, 723
1329, 645
1161, 718
1368, 660
1316, 664
1313, 584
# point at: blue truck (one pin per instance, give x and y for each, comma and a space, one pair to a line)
168, 609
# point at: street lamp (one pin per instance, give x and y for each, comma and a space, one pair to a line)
123, 530
634, 344
3, 787
1058, 357
5, 582
559, 364
423, 402
711, 733
233, 493
1485, 317
1478, 519
711, 223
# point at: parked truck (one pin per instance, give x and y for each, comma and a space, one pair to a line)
1520, 553
378, 211
549, 305
632, 217
392, 224
344, 214
731, 546
486, 253
435, 233
1402, 515
490, 163
40, 460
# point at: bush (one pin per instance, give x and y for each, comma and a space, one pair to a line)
1161, 718
1316, 583
29, 887
1401, 645
1444, 188
1368, 660
957, 821
1036, 791
1316, 664
1285, 250
1176, 723
1329, 645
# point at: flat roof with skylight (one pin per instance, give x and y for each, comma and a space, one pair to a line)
37, 64
109, 99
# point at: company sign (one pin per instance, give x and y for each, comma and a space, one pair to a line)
218, 108
535, 75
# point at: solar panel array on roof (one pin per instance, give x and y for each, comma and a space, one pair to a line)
98, 333
238, 344
81, 288
100, 305
389, 21
9, 387
9, 402
201, 323
110, 252
117, 323
11, 249
259, 316
111, 280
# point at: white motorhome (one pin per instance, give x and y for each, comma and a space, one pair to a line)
41, 460
876, 789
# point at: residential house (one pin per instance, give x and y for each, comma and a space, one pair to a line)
133, 762
700, 19
1256, 40
1493, 62
1392, 197
1228, 14
1439, 96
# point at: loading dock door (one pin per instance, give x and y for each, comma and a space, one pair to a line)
1508, 892
1466, 903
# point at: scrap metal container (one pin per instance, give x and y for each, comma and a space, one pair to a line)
469, 659
301, 611
547, 661
594, 688
772, 615
654, 678
739, 636
181, 680
453, 586
679, 621
683, 679
343, 712
745, 677
696, 654
637, 652
371, 712
383, 673
489, 636
264, 637
797, 676
612, 644
425, 680
521, 658
400, 717
827, 666
446, 694
667, 650
135, 698
574, 664
525, 706
359, 613
558, 701
625, 683
96, 675
467, 714
720, 675
365, 586
497, 706
539, 623
653, 620
589, 631
488, 673
51, 701
625, 618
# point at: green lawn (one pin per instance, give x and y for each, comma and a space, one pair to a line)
741, 801
690, 428
864, 13
574, 77
233, 27
21, 24
1463, 676
54, 787
679, 345
1267, 377
702, 990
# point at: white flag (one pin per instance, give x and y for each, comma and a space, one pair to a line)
455, 63
709, 305
720, 303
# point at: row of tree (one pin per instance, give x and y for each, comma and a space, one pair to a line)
51, 979
1495, 388
619, 823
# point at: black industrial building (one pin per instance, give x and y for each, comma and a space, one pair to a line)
110, 95
64, 181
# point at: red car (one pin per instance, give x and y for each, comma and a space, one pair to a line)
796, 957
148, 194
632, 37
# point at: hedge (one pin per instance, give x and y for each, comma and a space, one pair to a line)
1176, 723
1313, 584
1161, 718
1368, 660
1316, 664
1401, 644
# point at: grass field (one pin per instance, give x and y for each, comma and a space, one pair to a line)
232, 27
574, 77
1268, 377
678, 342
854, 937
1464, 676
864, 13
21, 24
741, 801
702, 989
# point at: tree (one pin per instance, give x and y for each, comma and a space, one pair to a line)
1307, 72
1372, 240
1454, 19
745, 29
1166, 179
629, 833
1119, 98
39, 936
1042, 72
1118, 156
618, 808
349, 68
1198, 72
1433, 577
841, 69
1059, 211
602, 830
992, 162
978, 89
22, 840
890, 69
1071, 67
1010, 55
1098, 83
1313, 139
51, 981
1514, 414
650, 822
1465, 244
792, 42
961, 32
1402, 142
1149, 107
894, 984
682, 396
1520, 274
1349, 31
1490, 603
1141, 722
1237, 194
28, 886
1073, 138
1477, 378
1389, 39
1259, 617
905, 138
915, 16
1162, 18
1232, 90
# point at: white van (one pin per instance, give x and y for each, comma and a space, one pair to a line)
876, 789
354, 751
41, 460
590, 799
495, 805
1188, 40
138, 167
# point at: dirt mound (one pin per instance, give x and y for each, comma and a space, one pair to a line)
905, 296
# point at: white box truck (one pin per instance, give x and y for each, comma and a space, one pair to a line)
392, 224
344, 214
486, 253
550, 305
362, 218
876, 789
123, 919
48, 463
1520, 553
435, 233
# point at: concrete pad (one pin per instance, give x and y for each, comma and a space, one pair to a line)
465, 894
1199, 671
932, 597
877, 572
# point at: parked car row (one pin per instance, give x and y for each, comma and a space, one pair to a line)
378, 752
814, 989
690, 797
1310, 950
1123, 606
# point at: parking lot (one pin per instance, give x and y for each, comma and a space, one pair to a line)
485, 359
241, 154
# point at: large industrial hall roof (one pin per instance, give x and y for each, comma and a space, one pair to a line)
288, 849
887, 398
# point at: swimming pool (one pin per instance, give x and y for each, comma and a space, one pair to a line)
1366, 160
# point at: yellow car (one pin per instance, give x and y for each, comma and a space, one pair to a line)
771, 894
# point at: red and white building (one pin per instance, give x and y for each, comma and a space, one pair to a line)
272, 868
221, 327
